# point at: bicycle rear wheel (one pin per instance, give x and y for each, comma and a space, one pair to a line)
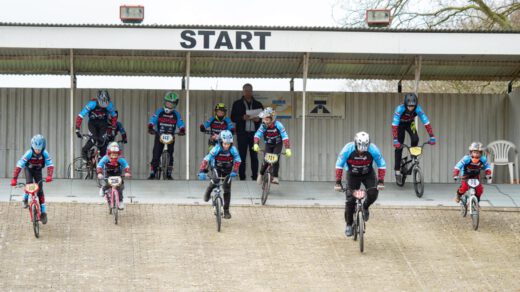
361, 230
355, 229
165, 159
266, 186
474, 212
418, 183
218, 212
403, 176
36, 223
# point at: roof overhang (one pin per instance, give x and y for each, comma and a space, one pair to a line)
263, 52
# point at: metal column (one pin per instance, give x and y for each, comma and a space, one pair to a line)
304, 108
72, 88
188, 55
418, 63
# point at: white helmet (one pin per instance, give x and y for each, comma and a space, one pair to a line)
268, 112
113, 148
362, 140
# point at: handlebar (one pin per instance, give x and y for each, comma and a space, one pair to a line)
263, 150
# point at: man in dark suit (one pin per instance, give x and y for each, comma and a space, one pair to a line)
246, 127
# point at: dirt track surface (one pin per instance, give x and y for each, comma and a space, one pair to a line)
165, 247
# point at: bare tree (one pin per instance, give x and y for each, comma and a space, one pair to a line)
489, 14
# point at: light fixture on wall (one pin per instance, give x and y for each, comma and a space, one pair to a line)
399, 87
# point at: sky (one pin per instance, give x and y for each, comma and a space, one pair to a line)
204, 12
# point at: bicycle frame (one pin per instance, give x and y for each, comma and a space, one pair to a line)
115, 183
412, 158
32, 189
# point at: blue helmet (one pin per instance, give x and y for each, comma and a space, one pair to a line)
38, 142
226, 137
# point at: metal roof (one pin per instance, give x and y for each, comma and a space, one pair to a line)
260, 64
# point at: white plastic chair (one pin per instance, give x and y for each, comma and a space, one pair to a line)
499, 154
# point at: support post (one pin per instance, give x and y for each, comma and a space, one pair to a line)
71, 109
304, 109
188, 63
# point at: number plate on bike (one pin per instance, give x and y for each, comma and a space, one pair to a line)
359, 194
271, 157
473, 182
166, 138
115, 181
415, 151
31, 188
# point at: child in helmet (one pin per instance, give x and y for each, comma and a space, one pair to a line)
217, 124
165, 120
113, 164
404, 121
358, 157
97, 110
225, 159
275, 136
33, 161
471, 165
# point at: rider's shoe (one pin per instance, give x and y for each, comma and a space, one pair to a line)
275, 180
259, 179
43, 218
152, 175
25, 203
398, 177
101, 192
121, 205
227, 215
348, 230
169, 177
207, 194
457, 198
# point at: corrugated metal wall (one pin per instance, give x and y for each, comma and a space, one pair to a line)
456, 119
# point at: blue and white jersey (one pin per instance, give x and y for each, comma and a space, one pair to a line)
164, 123
470, 169
222, 159
402, 115
109, 168
95, 112
359, 163
273, 134
36, 161
218, 125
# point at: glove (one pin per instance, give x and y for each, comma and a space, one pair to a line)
202, 128
338, 187
182, 131
127, 174
256, 148
100, 176
233, 174
202, 176
288, 152
432, 140
14, 181
397, 144
124, 141
48, 179
456, 178
125, 138
151, 131
489, 177
380, 185
78, 134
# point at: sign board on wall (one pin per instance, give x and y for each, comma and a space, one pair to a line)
281, 102
323, 105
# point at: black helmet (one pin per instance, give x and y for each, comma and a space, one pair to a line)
410, 99
103, 98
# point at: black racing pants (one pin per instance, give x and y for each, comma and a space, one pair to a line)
245, 143
34, 175
354, 183
157, 151
414, 141
226, 186
276, 149
98, 128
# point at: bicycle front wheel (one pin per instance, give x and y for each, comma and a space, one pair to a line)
115, 210
165, 159
218, 212
474, 212
418, 183
266, 186
463, 206
36, 224
361, 230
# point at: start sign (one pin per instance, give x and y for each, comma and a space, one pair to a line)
226, 40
